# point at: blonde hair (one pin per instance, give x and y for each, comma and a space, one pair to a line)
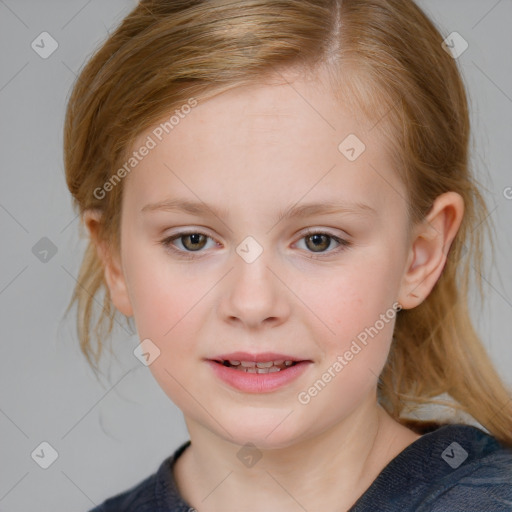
385, 58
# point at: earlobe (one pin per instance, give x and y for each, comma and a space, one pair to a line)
113, 273
430, 244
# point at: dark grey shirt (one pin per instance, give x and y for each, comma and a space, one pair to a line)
450, 469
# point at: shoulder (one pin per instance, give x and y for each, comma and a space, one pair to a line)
156, 493
140, 497
455, 467
479, 478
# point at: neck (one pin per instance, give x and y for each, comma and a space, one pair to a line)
327, 472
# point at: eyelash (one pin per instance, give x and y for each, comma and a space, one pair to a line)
167, 243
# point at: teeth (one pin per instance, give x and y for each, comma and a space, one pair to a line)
265, 365
260, 367
272, 369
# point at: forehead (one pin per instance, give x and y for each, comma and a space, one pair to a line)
277, 112
278, 138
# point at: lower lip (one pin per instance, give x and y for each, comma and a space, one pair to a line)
258, 382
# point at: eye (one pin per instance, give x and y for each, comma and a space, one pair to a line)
318, 242
190, 242
185, 244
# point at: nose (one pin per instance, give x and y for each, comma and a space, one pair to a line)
253, 296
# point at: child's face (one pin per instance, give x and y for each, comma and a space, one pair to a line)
253, 153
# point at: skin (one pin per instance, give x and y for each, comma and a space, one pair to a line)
256, 151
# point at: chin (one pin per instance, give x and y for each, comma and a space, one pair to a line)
267, 432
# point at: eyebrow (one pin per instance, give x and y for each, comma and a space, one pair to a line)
304, 210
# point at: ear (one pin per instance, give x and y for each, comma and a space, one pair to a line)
430, 242
113, 272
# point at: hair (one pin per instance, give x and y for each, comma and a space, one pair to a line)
385, 58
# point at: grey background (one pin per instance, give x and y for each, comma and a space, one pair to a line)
111, 435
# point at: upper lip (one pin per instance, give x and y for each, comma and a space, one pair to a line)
257, 358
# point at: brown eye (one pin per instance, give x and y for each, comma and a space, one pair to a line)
193, 241
318, 242
322, 244
188, 244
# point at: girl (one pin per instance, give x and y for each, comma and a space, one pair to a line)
278, 193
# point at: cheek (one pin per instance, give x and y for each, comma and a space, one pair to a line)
168, 310
359, 309
161, 293
356, 303
169, 306
351, 298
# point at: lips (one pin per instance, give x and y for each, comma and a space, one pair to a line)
258, 373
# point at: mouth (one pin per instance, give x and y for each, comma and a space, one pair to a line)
273, 366
258, 373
